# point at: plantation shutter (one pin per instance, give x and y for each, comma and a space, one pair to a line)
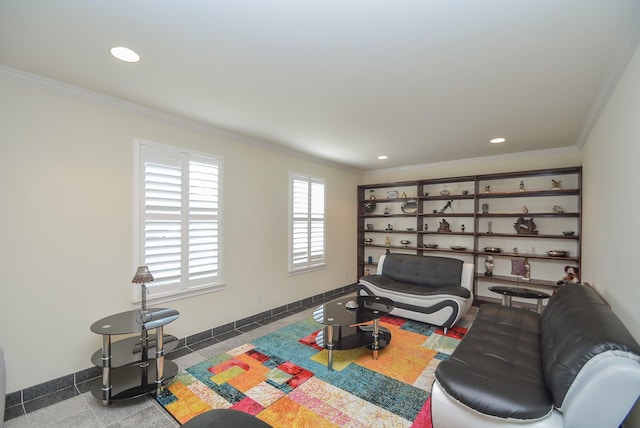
181, 220
307, 244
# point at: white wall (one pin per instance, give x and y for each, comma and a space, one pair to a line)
66, 223
611, 160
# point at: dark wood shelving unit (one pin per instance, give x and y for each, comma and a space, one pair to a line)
474, 238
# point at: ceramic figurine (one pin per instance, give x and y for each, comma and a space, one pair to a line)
372, 194
521, 186
556, 185
488, 266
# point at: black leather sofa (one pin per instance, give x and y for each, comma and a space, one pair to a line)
435, 290
575, 365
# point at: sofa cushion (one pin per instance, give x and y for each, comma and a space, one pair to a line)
424, 271
387, 283
496, 368
575, 326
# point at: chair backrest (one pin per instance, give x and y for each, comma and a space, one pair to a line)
423, 270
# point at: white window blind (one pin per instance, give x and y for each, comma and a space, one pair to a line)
180, 221
307, 247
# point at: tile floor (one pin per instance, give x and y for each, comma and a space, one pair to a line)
82, 410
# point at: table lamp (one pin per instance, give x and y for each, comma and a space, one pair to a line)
143, 276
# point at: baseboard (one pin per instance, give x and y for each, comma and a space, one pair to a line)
42, 395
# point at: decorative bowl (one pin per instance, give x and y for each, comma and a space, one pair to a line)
558, 253
410, 229
431, 245
458, 247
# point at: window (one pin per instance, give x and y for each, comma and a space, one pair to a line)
307, 248
179, 219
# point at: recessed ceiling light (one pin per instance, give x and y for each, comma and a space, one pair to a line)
125, 54
383, 157
498, 140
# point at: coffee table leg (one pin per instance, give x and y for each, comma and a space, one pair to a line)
329, 344
376, 345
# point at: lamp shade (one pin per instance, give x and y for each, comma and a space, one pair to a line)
142, 275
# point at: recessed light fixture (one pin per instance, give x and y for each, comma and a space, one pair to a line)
125, 54
383, 157
498, 140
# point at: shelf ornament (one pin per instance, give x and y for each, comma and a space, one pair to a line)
444, 226
525, 226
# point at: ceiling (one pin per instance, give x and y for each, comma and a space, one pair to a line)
345, 80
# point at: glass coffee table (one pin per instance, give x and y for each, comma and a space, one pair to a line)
352, 322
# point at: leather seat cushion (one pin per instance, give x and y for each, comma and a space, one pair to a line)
497, 369
387, 283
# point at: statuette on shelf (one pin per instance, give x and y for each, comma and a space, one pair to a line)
465, 192
462, 227
387, 210
487, 189
490, 226
369, 226
404, 194
525, 210
485, 208
556, 184
558, 209
372, 194
387, 241
368, 241
389, 227
445, 192
521, 186
444, 226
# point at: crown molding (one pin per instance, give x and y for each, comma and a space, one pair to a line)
164, 117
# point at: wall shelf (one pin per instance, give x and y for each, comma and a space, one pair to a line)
553, 210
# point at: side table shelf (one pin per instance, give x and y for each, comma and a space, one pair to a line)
133, 366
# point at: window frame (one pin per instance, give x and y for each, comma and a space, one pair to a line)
311, 263
173, 155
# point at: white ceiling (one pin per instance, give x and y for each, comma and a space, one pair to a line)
345, 80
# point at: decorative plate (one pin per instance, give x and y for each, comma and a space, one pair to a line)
369, 207
392, 194
410, 206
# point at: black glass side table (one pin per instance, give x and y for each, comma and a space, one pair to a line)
526, 293
133, 366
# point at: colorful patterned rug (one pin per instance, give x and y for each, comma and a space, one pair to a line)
282, 379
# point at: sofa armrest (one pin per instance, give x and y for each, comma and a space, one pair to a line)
603, 392
468, 270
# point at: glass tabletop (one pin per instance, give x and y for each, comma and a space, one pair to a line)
133, 322
526, 293
340, 312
